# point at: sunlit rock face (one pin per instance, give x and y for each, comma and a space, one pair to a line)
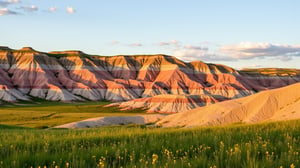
271, 105
159, 83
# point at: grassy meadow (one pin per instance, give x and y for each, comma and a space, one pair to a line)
260, 145
48, 114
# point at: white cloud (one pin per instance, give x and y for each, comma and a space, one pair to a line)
5, 11
52, 9
31, 8
196, 54
71, 10
247, 50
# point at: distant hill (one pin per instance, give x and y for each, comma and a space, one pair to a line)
159, 83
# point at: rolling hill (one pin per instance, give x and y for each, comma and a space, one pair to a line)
273, 105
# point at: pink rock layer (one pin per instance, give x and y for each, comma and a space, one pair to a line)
155, 82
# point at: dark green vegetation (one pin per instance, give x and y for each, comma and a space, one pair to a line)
261, 145
49, 114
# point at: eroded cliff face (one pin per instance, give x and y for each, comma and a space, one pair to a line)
158, 82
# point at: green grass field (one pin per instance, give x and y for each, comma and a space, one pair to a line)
49, 114
261, 145
22, 145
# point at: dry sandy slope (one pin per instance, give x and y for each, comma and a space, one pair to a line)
118, 120
272, 105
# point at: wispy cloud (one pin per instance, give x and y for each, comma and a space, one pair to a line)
164, 43
13, 1
250, 66
52, 9
191, 54
71, 10
8, 2
115, 42
31, 8
245, 50
196, 47
174, 43
136, 44
5, 11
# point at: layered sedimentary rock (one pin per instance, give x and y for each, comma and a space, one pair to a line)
160, 83
272, 105
169, 103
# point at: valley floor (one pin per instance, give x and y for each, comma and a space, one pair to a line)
47, 114
274, 144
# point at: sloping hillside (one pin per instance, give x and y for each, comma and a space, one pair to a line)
272, 105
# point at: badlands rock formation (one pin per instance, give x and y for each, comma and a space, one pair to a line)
159, 83
272, 105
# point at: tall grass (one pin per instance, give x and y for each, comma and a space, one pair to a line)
261, 145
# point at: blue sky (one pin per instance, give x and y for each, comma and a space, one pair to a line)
256, 33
